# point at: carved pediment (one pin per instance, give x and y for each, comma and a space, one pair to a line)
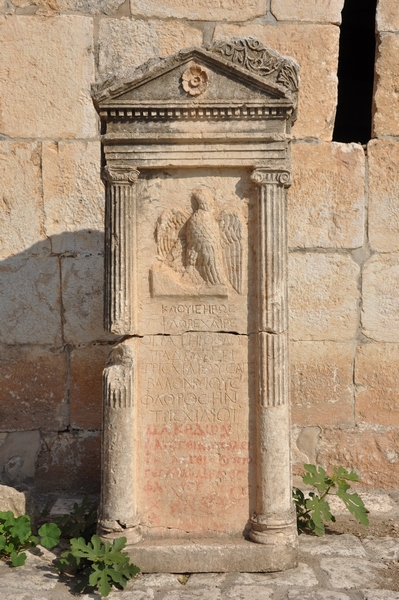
242, 70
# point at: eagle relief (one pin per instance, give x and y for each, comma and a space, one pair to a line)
198, 253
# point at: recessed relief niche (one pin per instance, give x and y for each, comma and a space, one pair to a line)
196, 447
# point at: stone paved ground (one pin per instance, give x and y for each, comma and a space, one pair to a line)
335, 567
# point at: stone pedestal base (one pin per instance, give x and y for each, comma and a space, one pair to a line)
212, 555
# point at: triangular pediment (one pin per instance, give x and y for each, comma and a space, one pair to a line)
240, 70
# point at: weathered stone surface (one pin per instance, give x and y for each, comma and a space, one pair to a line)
218, 554
384, 548
30, 301
323, 297
213, 594
304, 443
372, 454
31, 581
380, 595
387, 15
37, 99
322, 383
87, 365
21, 206
248, 592
11, 499
35, 379
301, 576
315, 47
196, 449
323, 11
95, 7
386, 98
18, 453
380, 315
376, 376
339, 545
319, 594
128, 43
348, 575
69, 462
202, 10
82, 294
73, 196
326, 200
383, 213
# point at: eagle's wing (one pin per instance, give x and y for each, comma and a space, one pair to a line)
169, 230
231, 235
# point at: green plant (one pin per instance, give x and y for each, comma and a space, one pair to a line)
16, 536
314, 511
98, 565
81, 522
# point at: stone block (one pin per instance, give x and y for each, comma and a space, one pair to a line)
383, 157
322, 11
82, 296
35, 379
94, 7
322, 383
69, 462
18, 453
315, 48
380, 595
11, 499
46, 69
326, 200
302, 576
334, 545
323, 296
380, 314
386, 97
376, 375
30, 300
384, 548
87, 365
21, 204
304, 444
373, 455
320, 594
128, 43
73, 196
387, 15
348, 575
201, 10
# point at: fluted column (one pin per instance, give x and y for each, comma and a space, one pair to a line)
120, 303
274, 520
118, 508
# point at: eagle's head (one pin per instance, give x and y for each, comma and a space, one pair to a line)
203, 198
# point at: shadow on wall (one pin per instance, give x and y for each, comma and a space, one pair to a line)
52, 352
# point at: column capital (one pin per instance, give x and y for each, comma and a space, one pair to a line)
121, 175
273, 177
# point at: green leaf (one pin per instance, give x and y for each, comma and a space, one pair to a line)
119, 544
21, 528
317, 477
353, 503
17, 560
99, 578
50, 535
3, 541
342, 473
320, 513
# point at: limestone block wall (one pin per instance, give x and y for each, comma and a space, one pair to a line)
343, 231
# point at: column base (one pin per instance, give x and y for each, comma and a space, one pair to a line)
274, 531
105, 530
213, 555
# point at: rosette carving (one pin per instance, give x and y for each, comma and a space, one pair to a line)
195, 80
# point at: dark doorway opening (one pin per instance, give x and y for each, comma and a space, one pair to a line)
356, 72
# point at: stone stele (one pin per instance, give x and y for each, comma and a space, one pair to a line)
196, 447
